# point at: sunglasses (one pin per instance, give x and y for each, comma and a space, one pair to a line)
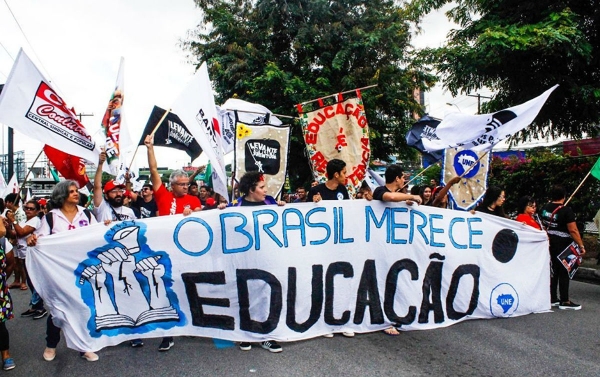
29, 208
146, 189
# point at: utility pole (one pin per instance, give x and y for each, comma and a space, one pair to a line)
479, 97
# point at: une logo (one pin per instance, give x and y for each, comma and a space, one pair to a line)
504, 300
465, 160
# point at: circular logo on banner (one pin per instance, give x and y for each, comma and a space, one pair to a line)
463, 161
504, 300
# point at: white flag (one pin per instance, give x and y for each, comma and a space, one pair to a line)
12, 187
482, 132
2, 183
196, 108
247, 112
114, 127
29, 105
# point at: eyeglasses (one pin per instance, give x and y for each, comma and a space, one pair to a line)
146, 189
29, 208
182, 184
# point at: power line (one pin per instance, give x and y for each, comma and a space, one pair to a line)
29, 43
8, 53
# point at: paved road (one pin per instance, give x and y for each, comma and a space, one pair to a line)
533, 345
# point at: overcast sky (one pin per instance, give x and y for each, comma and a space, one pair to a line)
77, 44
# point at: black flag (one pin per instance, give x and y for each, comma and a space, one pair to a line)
172, 133
414, 137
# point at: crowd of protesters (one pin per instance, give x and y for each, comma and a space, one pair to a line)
68, 209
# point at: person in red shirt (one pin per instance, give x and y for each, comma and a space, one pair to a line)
176, 201
527, 215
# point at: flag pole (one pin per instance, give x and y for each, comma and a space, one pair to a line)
475, 164
335, 94
263, 113
152, 133
418, 175
578, 187
27, 176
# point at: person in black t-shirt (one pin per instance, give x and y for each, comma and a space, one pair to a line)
394, 181
562, 230
335, 187
144, 201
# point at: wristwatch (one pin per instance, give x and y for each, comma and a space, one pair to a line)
15, 222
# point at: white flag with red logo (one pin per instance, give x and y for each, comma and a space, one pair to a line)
196, 108
112, 123
29, 105
12, 187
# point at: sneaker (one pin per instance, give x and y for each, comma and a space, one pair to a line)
49, 354
554, 304
348, 334
245, 346
89, 356
40, 314
166, 345
330, 335
8, 364
136, 343
272, 346
28, 313
569, 305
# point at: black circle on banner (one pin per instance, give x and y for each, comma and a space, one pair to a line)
504, 246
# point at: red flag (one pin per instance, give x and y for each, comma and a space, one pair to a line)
71, 167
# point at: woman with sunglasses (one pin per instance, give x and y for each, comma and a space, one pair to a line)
526, 209
23, 230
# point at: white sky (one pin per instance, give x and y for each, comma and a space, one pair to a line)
80, 43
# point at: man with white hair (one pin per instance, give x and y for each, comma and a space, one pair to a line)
171, 202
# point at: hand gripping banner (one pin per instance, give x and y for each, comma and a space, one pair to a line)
338, 131
262, 148
465, 194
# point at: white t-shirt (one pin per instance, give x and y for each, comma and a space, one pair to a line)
60, 223
106, 212
34, 222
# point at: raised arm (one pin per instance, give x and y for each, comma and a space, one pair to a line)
154, 176
444, 191
98, 195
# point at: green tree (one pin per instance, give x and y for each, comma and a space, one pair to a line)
280, 53
520, 48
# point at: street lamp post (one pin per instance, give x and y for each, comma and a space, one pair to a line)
453, 104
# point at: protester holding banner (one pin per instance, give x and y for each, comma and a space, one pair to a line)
562, 231
108, 205
177, 201
5, 304
492, 202
335, 187
526, 209
394, 181
66, 215
253, 188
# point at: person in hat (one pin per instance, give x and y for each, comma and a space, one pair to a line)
108, 203
144, 201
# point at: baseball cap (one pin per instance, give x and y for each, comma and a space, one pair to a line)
111, 185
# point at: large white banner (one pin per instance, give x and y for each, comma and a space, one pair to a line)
288, 273
29, 105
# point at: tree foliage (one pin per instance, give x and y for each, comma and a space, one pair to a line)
281, 53
535, 176
520, 48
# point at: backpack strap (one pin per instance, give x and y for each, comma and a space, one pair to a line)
50, 220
